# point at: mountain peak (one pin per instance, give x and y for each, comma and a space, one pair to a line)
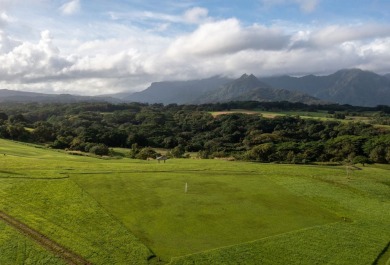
246, 76
247, 82
352, 71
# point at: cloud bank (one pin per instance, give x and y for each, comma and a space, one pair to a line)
125, 57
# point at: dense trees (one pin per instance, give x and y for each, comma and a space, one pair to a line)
94, 127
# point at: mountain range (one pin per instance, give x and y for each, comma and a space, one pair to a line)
351, 86
249, 87
348, 86
7, 95
179, 92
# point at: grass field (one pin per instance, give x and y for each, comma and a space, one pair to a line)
365, 117
126, 211
322, 115
17, 249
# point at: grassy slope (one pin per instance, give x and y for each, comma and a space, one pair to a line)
363, 199
221, 198
289, 214
59, 208
233, 195
17, 249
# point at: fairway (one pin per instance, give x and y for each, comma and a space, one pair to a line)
220, 208
124, 211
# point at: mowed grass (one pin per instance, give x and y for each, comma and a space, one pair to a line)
35, 189
223, 205
363, 201
123, 211
17, 249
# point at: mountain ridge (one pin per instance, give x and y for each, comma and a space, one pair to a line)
179, 92
249, 87
346, 86
15, 96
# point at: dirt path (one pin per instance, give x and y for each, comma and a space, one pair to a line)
60, 251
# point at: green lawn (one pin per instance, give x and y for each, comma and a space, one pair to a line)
124, 211
219, 201
36, 189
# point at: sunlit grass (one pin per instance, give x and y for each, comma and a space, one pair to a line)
121, 211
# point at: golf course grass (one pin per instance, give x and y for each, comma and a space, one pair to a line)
124, 211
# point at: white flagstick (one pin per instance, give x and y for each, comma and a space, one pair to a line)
185, 188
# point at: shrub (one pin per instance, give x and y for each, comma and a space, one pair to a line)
146, 152
99, 149
177, 152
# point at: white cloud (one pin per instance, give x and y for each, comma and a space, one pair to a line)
100, 58
227, 36
7, 44
339, 34
4, 19
70, 7
195, 15
27, 60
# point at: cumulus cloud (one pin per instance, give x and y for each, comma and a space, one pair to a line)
26, 60
70, 7
128, 57
339, 34
227, 36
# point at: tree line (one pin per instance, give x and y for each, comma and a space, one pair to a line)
97, 127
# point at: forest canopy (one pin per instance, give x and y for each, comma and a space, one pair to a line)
97, 127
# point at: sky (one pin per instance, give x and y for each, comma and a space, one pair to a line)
93, 47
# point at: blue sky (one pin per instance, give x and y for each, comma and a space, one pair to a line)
105, 46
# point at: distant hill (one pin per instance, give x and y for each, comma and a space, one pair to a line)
350, 86
249, 87
215, 89
25, 97
180, 92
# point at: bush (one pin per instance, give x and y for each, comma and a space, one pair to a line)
203, 154
146, 152
99, 149
177, 152
219, 154
360, 160
260, 153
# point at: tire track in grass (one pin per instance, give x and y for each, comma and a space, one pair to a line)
383, 257
60, 251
